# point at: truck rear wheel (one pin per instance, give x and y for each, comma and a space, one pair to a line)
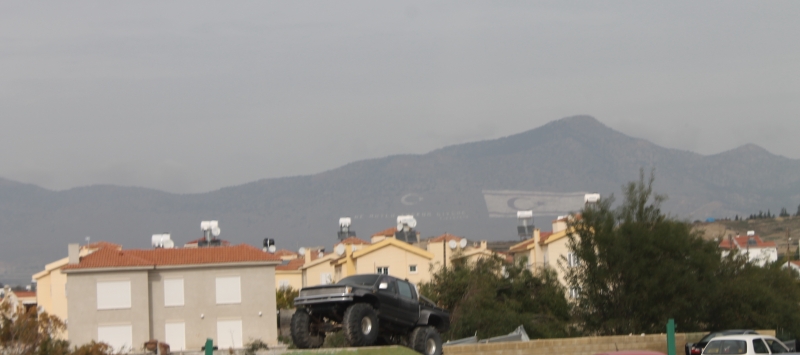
302, 334
426, 340
360, 325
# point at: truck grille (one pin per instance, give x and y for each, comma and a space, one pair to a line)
322, 291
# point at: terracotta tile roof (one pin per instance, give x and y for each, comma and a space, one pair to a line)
543, 236
24, 294
294, 264
505, 256
522, 246
315, 254
109, 258
741, 242
102, 244
353, 240
388, 232
284, 252
445, 237
221, 241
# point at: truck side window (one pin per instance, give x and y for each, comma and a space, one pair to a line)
391, 289
405, 290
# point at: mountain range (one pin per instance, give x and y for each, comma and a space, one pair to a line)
472, 190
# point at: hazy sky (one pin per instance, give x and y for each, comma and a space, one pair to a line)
191, 96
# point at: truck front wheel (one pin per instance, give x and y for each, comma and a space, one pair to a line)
302, 334
360, 325
426, 340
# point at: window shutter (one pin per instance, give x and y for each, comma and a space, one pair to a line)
173, 292
229, 290
120, 337
113, 295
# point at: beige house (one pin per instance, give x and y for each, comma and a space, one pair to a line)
548, 250
386, 255
288, 274
353, 256
51, 283
178, 296
442, 249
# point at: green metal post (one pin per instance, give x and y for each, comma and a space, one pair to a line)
671, 337
210, 346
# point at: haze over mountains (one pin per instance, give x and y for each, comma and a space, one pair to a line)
469, 189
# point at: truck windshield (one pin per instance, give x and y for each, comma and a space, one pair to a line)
359, 280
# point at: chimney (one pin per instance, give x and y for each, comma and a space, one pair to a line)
308, 256
74, 252
483, 244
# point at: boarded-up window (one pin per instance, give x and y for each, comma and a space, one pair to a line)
119, 337
113, 294
229, 334
173, 292
175, 335
229, 290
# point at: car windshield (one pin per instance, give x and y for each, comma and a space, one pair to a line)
359, 280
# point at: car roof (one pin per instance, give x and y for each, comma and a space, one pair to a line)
741, 337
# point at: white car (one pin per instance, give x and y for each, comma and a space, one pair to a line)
745, 344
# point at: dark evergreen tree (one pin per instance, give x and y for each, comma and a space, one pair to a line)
640, 267
493, 297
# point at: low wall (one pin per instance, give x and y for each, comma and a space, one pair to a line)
582, 346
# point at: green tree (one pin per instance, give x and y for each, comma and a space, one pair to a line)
493, 297
755, 297
284, 297
639, 268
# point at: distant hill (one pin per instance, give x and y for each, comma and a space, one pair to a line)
469, 189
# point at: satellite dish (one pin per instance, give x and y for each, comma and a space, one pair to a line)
272, 248
452, 244
215, 231
340, 249
399, 226
463, 243
301, 251
412, 223
169, 244
321, 254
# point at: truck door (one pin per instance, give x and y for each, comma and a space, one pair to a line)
408, 303
387, 296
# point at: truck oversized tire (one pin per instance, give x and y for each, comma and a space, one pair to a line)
426, 340
360, 325
301, 331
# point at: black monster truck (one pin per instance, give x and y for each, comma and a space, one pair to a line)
370, 309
